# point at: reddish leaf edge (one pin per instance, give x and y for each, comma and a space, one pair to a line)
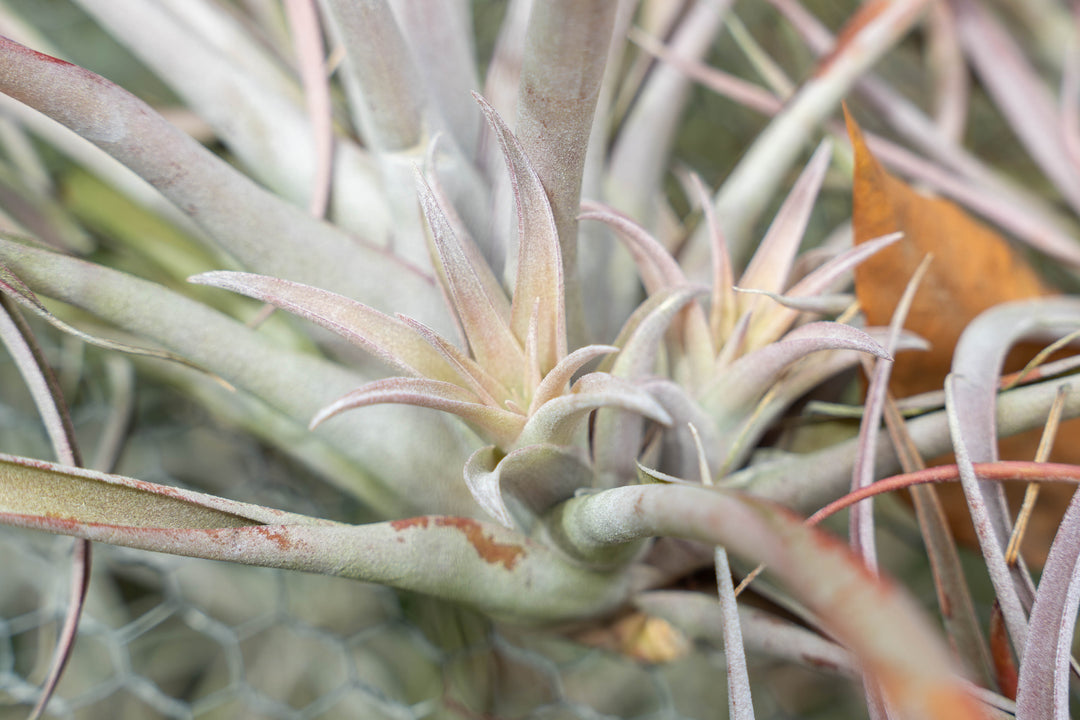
1001, 471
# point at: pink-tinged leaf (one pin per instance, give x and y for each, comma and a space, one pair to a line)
264, 237
556, 381
952, 81
751, 375
1044, 670
472, 375
772, 261
501, 427
659, 272
389, 339
723, 307
976, 367
725, 84
286, 386
381, 82
893, 641
307, 42
493, 344
566, 50
65, 493
1019, 92
493, 288
806, 290
640, 338
827, 275
1070, 105
540, 264
861, 521
80, 583
740, 430
991, 541
980, 354
454, 558
556, 420
657, 267
534, 479
1005, 673
1001, 471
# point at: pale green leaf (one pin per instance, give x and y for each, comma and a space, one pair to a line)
540, 265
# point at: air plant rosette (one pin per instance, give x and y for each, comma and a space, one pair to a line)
515, 465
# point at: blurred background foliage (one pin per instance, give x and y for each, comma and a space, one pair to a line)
172, 637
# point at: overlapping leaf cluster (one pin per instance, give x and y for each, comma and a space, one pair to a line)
457, 254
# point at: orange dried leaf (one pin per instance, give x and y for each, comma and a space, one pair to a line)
973, 269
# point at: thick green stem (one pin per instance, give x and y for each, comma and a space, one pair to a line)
895, 642
565, 54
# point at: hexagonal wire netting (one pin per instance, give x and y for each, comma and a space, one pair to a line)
173, 637
179, 638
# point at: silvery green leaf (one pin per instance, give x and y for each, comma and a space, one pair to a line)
540, 264
499, 426
394, 342
493, 344
532, 478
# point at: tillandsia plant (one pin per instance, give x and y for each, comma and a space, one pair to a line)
546, 369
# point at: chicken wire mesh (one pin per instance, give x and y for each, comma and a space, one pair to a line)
173, 637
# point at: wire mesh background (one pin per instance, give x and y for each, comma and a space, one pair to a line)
172, 637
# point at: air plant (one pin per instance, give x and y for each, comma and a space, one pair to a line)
533, 407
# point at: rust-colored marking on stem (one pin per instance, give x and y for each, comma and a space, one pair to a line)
486, 547
406, 523
275, 534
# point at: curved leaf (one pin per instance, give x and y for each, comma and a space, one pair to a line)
895, 643
494, 346
750, 376
807, 481
264, 237
501, 426
802, 296
389, 339
660, 272
494, 570
540, 265
555, 421
292, 383
14, 288
769, 268
555, 381
534, 478
1053, 618
641, 336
